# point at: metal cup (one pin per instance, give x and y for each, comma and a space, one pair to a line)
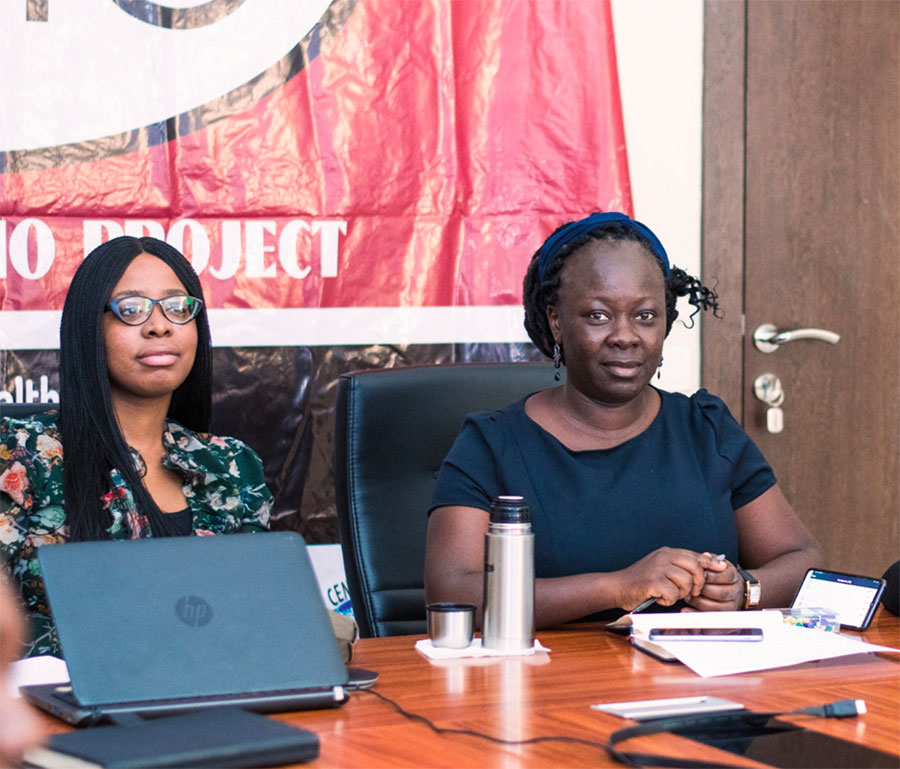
451, 625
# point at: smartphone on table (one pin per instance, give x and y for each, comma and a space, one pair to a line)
852, 597
706, 634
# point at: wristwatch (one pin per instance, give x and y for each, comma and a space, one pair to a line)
752, 589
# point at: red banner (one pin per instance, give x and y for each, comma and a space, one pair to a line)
417, 159
359, 183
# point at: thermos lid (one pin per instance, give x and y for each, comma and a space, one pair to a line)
510, 509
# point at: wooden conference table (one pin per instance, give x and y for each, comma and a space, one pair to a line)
521, 698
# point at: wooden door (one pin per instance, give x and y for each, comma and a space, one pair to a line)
802, 229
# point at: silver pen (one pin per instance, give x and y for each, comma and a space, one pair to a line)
643, 605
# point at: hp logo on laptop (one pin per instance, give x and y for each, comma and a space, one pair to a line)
194, 611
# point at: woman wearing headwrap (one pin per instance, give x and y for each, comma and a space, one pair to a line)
635, 493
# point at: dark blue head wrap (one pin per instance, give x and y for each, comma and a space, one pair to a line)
559, 240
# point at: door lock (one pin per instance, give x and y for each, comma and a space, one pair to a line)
768, 389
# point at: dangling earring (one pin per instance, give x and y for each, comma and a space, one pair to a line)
557, 362
659, 368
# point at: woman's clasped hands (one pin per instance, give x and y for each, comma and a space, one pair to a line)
704, 581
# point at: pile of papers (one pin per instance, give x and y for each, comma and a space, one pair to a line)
782, 644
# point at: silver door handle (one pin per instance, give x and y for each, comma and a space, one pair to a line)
767, 337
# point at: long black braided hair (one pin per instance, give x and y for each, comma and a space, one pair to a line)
91, 438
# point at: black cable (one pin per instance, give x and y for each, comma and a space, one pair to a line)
481, 735
839, 709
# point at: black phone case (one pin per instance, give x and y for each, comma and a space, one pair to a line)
870, 612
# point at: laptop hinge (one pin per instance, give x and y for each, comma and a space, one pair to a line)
126, 719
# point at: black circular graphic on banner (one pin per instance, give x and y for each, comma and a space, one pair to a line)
200, 15
237, 100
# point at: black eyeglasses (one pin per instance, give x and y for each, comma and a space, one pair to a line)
135, 310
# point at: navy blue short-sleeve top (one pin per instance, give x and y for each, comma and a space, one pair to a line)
677, 484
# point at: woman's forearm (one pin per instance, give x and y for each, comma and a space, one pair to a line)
556, 600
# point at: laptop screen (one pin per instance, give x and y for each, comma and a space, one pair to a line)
192, 616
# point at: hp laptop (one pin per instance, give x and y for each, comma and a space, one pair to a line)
160, 626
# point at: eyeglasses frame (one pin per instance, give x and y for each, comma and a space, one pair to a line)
113, 307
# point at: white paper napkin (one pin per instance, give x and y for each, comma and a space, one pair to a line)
474, 649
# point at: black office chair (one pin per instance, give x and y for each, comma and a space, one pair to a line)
393, 429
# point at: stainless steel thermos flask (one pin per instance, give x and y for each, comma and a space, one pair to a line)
508, 623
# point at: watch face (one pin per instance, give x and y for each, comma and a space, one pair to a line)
752, 589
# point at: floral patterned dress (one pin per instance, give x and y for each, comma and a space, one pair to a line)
222, 480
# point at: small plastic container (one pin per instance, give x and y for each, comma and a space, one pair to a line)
813, 617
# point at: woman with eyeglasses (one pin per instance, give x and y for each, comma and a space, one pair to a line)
131, 430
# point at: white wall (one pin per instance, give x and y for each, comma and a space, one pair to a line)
659, 45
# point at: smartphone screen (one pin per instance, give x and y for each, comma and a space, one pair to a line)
706, 634
853, 598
